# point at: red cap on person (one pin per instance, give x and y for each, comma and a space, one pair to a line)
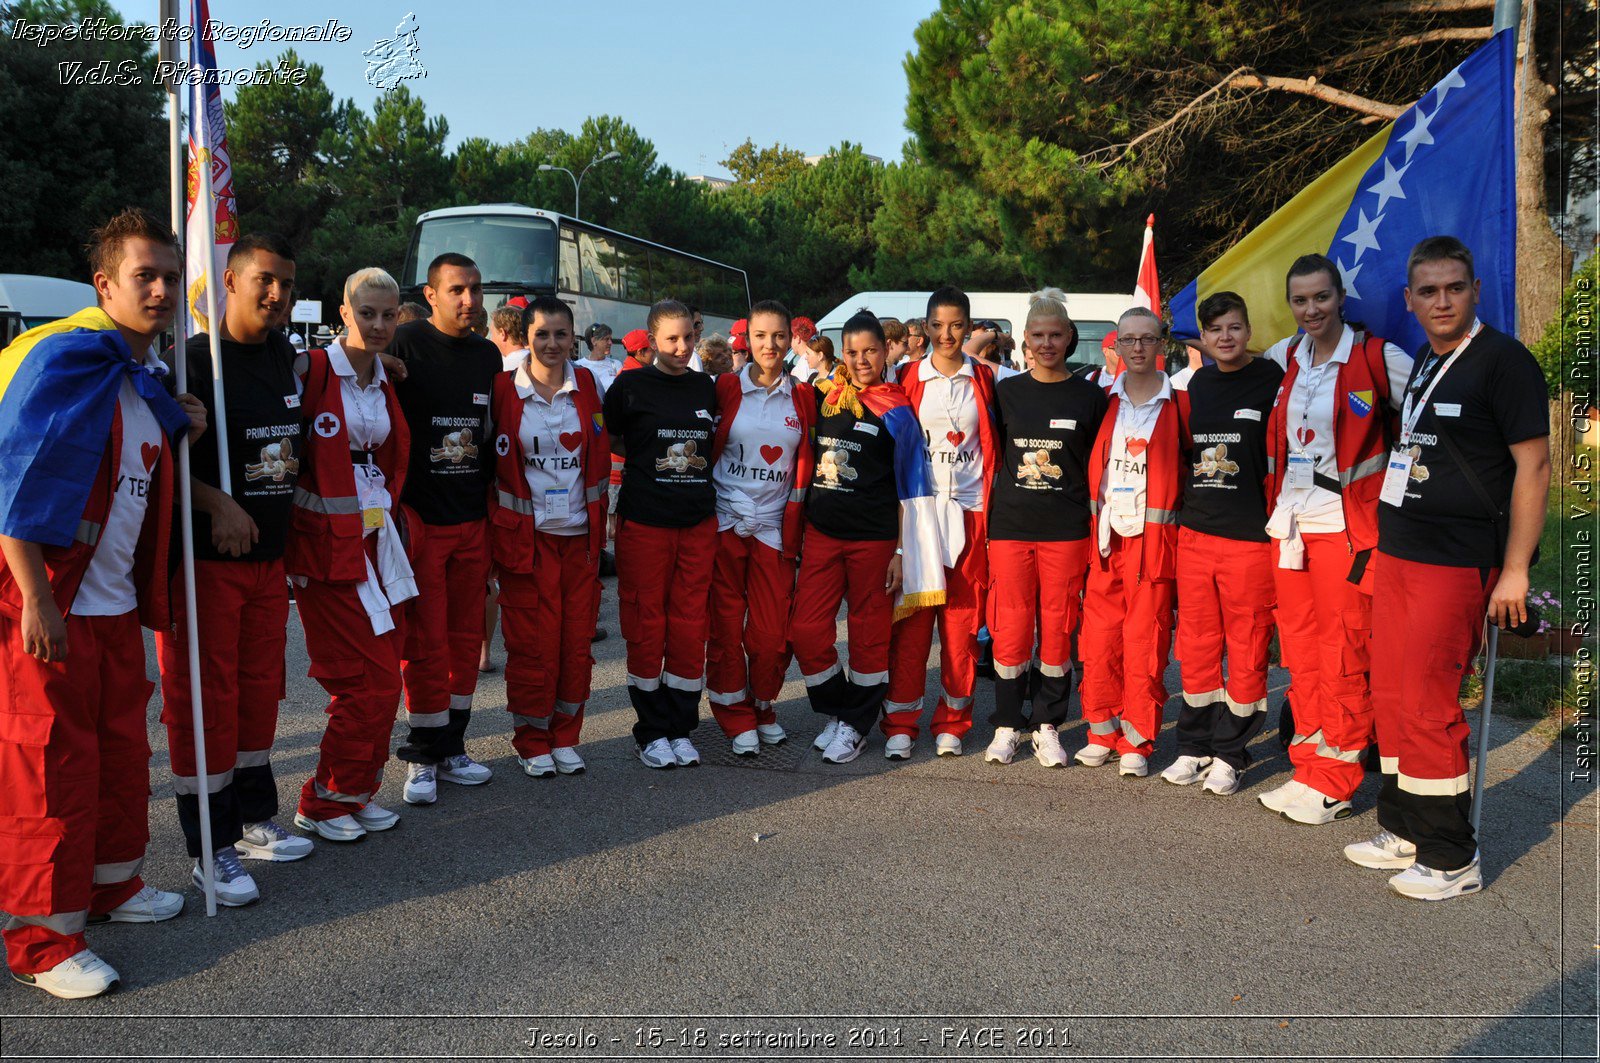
1110, 340
518, 301
636, 341
740, 327
803, 328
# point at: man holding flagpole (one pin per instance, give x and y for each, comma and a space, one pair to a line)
85, 491
238, 541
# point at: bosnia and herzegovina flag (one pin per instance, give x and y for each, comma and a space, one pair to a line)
58, 392
1446, 167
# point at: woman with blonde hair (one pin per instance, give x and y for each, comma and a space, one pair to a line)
347, 555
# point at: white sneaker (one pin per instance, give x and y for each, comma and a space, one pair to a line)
825, 739
149, 905
568, 762
1092, 756
1222, 779
746, 743
374, 817
846, 746
1281, 797
75, 978
1316, 808
898, 747
685, 753
539, 766
1133, 765
268, 841
1004, 746
947, 745
463, 770
422, 786
771, 734
1427, 884
658, 754
1384, 849
1047, 747
1186, 771
235, 887
337, 829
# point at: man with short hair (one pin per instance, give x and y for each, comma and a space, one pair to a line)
916, 339
445, 396
242, 597
1459, 519
85, 520
597, 338
509, 336
894, 338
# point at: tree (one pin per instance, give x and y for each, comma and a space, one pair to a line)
74, 154
762, 169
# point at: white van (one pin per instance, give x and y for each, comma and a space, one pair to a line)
27, 301
1095, 315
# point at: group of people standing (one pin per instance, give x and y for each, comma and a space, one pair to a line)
391, 477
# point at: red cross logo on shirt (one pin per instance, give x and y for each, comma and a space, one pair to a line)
327, 426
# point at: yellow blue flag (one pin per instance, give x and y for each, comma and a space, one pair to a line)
1446, 167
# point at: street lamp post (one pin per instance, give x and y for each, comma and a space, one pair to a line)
577, 179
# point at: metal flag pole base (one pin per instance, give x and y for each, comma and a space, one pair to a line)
1483, 727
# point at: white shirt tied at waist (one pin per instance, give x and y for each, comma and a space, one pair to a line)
749, 504
1308, 419
1125, 470
366, 419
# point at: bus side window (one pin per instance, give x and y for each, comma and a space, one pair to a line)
569, 261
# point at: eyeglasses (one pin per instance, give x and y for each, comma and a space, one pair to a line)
1130, 342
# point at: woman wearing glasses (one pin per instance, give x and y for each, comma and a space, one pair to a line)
1327, 445
1127, 608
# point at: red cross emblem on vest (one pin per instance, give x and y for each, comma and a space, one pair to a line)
327, 426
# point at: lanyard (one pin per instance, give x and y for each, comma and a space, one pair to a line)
1315, 375
553, 430
1413, 406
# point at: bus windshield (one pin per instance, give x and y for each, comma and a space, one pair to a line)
508, 248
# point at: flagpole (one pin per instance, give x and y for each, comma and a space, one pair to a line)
180, 356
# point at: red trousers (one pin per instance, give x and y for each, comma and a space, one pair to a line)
1035, 599
1427, 624
850, 571
958, 621
1127, 633
663, 590
444, 638
1225, 609
548, 616
74, 785
361, 673
1324, 626
752, 591
242, 610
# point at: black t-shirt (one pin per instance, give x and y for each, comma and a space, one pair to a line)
664, 425
264, 437
852, 493
1493, 396
1041, 489
445, 398
1223, 489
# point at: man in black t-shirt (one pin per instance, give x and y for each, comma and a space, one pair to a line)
450, 373
242, 602
1461, 511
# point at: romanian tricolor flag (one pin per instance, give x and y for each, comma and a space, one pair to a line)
58, 393
1446, 167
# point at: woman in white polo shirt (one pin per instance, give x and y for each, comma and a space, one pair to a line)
762, 464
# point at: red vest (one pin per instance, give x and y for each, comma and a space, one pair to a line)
1362, 432
511, 506
1163, 488
325, 530
65, 565
730, 392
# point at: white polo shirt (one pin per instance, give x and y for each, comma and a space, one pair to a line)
753, 476
366, 419
1128, 467
552, 440
949, 414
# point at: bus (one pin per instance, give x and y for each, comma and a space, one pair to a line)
27, 301
604, 275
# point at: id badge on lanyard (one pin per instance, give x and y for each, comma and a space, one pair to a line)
1301, 474
557, 505
1125, 502
1395, 479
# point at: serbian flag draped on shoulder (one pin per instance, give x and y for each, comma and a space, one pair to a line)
58, 394
1445, 166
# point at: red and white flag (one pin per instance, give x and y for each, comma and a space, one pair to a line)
1147, 292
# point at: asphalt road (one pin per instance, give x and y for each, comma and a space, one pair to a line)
788, 908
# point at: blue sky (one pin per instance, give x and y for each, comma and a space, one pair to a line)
696, 77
